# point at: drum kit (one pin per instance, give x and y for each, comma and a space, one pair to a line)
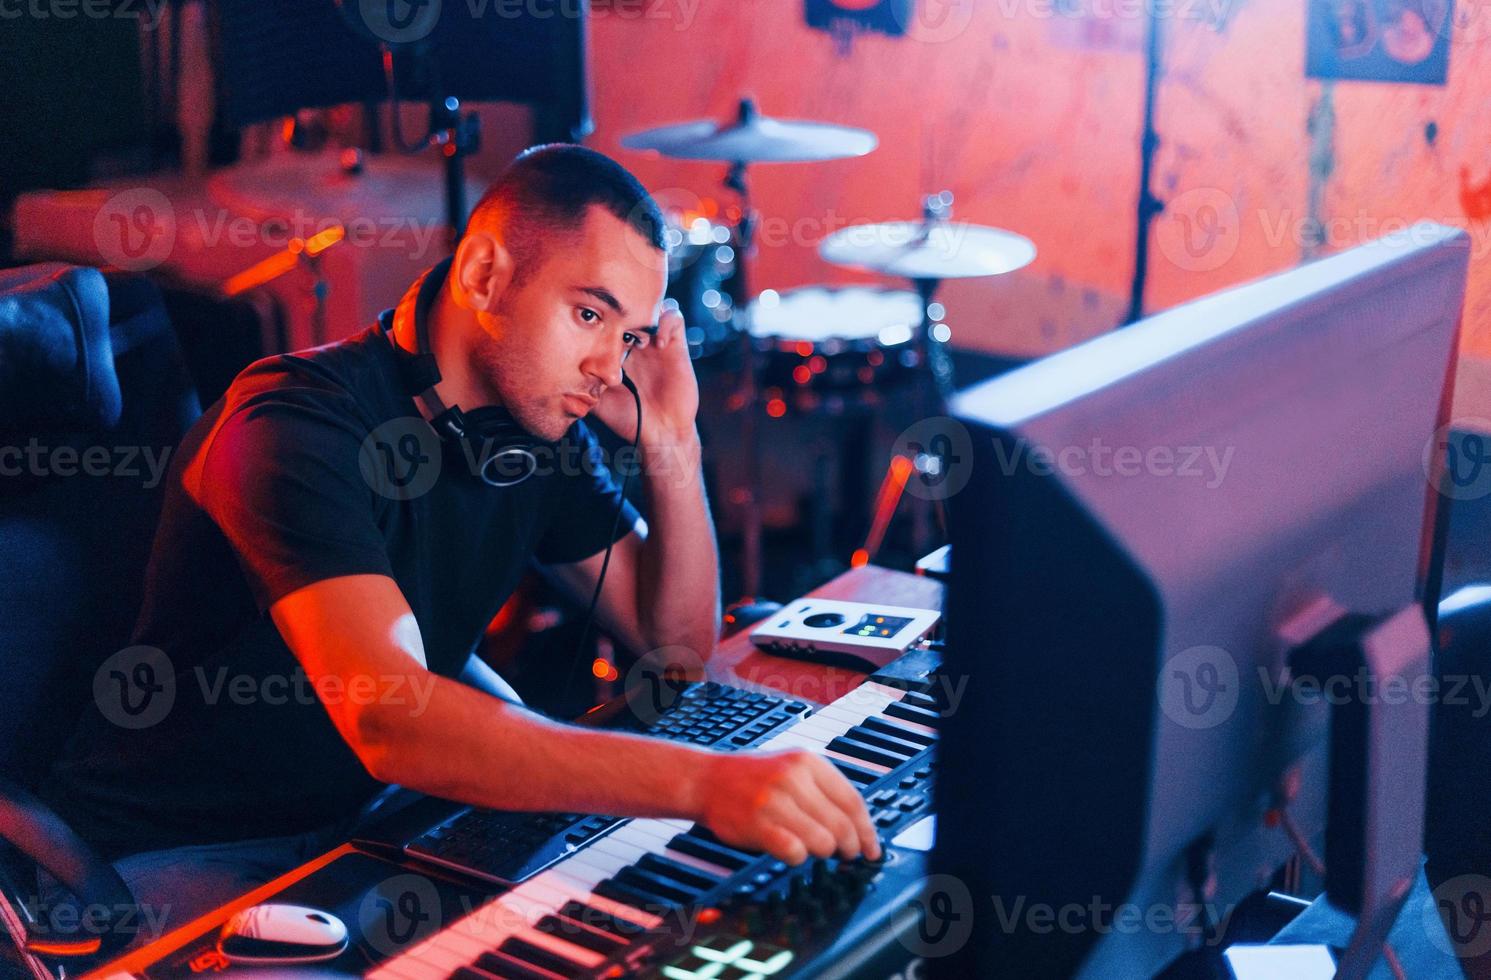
817, 349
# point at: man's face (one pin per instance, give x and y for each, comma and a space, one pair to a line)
557, 339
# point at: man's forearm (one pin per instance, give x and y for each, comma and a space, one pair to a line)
678, 573
466, 746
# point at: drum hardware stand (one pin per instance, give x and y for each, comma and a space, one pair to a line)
1150, 206
746, 395
931, 400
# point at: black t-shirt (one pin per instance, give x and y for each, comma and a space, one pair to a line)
312, 465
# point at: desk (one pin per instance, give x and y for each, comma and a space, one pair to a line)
736, 662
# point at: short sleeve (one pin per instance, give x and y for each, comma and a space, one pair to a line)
582, 515
280, 478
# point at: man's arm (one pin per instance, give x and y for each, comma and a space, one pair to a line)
662, 589
663, 585
444, 738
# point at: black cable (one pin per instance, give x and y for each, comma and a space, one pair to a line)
397, 125
600, 579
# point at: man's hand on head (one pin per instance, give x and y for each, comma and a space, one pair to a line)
664, 376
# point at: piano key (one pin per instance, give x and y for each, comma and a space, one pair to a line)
399, 968
660, 845
491, 923
515, 952
861, 777
907, 713
865, 753
622, 850
626, 894
503, 968
923, 701
660, 865
850, 714
551, 953
620, 910
721, 854
458, 943
503, 964
904, 732
862, 733
872, 770
600, 920
657, 884
440, 959
572, 932
883, 690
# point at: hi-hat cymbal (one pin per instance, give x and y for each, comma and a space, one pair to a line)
928, 250
754, 138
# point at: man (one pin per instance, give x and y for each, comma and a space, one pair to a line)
286, 562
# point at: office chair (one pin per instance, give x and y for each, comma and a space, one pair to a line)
90, 373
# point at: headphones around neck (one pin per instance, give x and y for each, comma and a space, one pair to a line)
501, 451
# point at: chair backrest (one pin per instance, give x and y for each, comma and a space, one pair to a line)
94, 397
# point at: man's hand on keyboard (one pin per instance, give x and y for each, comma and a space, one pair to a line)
790, 803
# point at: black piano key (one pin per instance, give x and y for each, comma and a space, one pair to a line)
928, 701
896, 731
523, 950
507, 968
657, 884
678, 871
863, 777
905, 712
470, 973
631, 895
870, 737
706, 850
596, 919
865, 753
573, 932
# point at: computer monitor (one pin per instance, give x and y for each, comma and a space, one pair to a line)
1150, 522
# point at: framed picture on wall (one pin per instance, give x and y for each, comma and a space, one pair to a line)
1379, 40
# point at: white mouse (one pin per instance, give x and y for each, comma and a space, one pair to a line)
282, 934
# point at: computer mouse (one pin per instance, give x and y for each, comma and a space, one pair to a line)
275, 933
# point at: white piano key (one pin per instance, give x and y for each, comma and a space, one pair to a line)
441, 959
620, 910
579, 955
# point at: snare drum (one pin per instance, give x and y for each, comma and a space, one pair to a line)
833, 348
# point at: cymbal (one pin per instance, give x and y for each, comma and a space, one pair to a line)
928, 250
754, 138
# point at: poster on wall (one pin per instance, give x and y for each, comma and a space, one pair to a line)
1379, 40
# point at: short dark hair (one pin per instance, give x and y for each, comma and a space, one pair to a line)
550, 187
